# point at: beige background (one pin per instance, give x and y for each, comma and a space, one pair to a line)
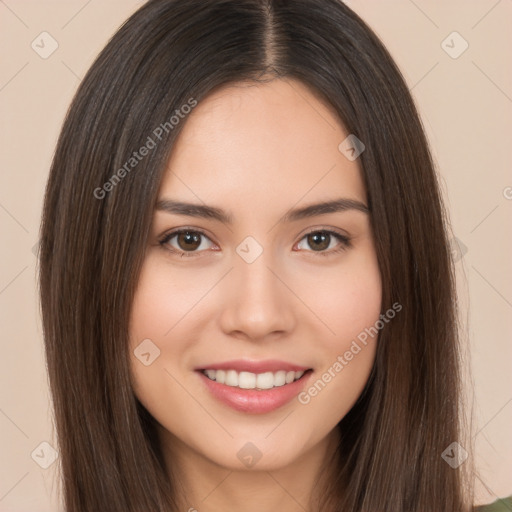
466, 105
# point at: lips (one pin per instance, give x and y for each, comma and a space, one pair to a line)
254, 386
244, 365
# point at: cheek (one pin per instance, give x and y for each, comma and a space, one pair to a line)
346, 357
349, 307
159, 307
347, 300
158, 313
164, 300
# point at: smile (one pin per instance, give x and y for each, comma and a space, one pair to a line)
254, 387
249, 380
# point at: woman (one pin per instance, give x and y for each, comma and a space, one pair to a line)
245, 276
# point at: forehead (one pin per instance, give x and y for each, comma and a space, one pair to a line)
261, 144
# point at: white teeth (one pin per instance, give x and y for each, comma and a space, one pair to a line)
248, 380
211, 374
231, 378
265, 380
280, 378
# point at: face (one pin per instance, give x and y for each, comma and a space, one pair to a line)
251, 287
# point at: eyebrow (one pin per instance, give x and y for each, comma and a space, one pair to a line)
212, 212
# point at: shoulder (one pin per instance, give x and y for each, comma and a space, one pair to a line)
500, 505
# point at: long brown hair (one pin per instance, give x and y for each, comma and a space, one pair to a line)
96, 220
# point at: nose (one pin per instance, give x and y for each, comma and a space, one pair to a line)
258, 303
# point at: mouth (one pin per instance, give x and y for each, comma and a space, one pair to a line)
249, 380
254, 387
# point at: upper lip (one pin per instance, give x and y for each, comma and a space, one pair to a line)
246, 365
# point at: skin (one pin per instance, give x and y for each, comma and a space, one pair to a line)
256, 151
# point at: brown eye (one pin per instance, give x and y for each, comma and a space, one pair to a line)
188, 242
320, 241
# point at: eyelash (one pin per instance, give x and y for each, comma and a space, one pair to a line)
345, 241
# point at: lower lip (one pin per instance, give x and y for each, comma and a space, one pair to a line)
252, 400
